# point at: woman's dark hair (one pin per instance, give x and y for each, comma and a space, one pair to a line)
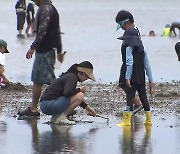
72, 69
122, 15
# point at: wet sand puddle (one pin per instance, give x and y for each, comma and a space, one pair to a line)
90, 135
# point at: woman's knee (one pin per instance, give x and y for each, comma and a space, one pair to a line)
78, 97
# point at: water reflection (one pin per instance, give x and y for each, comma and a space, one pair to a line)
136, 139
3, 124
3, 127
57, 140
87, 138
34, 136
3, 130
177, 131
60, 138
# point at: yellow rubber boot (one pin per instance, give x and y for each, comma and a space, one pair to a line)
148, 118
126, 119
148, 131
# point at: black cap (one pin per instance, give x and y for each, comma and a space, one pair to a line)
3, 43
123, 15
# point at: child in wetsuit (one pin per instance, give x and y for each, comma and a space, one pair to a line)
135, 64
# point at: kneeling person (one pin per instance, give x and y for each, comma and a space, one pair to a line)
3, 49
62, 96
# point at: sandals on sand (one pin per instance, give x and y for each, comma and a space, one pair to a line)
28, 112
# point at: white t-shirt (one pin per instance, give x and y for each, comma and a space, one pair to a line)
2, 59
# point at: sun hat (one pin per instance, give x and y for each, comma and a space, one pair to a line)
3, 43
131, 36
87, 68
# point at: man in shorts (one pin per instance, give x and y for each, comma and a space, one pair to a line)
47, 39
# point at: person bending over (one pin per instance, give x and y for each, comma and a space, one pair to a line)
62, 96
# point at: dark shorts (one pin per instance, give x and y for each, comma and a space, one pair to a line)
57, 106
43, 68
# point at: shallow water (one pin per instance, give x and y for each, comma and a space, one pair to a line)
90, 136
90, 34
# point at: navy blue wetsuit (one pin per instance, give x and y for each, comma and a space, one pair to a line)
135, 64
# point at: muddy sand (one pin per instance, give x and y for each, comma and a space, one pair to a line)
106, 99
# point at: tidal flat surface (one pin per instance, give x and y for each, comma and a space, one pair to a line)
92, 135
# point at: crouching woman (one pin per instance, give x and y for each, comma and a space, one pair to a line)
62, 96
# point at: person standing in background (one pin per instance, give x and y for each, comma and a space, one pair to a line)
177, 49
174, 25
48, 38
30, 17
21, 15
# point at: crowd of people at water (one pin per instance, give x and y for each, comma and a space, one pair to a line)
25, 13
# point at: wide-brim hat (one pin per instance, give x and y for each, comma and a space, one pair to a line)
3, 43
131, 37
87, 68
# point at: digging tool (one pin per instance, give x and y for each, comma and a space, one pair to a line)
102, 117
137, 110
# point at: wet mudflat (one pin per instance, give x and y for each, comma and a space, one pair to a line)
92, 135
